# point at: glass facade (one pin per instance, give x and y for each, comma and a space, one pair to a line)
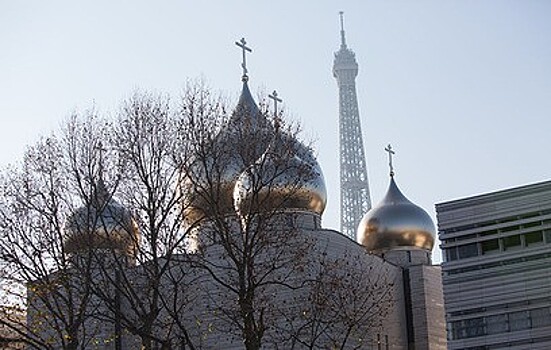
501, 323
486, 246
497, 269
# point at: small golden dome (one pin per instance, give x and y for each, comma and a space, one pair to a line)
396, 222
104, 224
286, 177
208, 186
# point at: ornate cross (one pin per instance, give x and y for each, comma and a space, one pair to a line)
100, 194
101, 150
274, 96
243, 45
276, 99
390, 153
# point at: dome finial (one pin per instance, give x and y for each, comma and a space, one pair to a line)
101, 149
101, 194
390, 153
274, 96
243, 45
343, 39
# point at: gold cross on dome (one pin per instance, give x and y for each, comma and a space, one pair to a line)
243, 45
390, 153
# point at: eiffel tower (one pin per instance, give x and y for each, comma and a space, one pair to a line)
355, 197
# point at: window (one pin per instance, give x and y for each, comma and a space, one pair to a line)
467, 250
540, 317
451, 254
533, 238
496, 324
519, 320
490, 246
547, 234
474, 327
511, 242
457, 330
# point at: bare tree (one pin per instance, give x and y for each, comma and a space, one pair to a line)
37, 273
178, 225
146, 145
349, 296
247, 180
10, 338
150, 150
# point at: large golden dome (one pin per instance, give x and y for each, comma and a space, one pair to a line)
103, 224
208, 187
286, 177
396, 222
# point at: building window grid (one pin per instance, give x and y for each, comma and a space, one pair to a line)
500, 323
506, 243
534, 304
544, 216
482, 236
519, 227
496, 264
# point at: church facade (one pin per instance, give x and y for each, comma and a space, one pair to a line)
257, 269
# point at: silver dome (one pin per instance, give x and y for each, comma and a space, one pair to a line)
104, 224
396, 222
243, 139
286, 177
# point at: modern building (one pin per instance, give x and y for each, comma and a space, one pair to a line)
355, 197
497, 268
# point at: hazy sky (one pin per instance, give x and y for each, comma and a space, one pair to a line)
462, 89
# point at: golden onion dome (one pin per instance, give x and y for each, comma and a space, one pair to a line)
286, 177
396, 222
208, 186
104, 224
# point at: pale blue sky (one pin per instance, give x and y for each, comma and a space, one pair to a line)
462, 89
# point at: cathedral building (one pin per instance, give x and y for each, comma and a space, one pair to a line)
259, 269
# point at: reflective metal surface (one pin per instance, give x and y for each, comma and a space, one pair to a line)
253, 166
204, 200
396, 222
105, 224
241, 142
286, 177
